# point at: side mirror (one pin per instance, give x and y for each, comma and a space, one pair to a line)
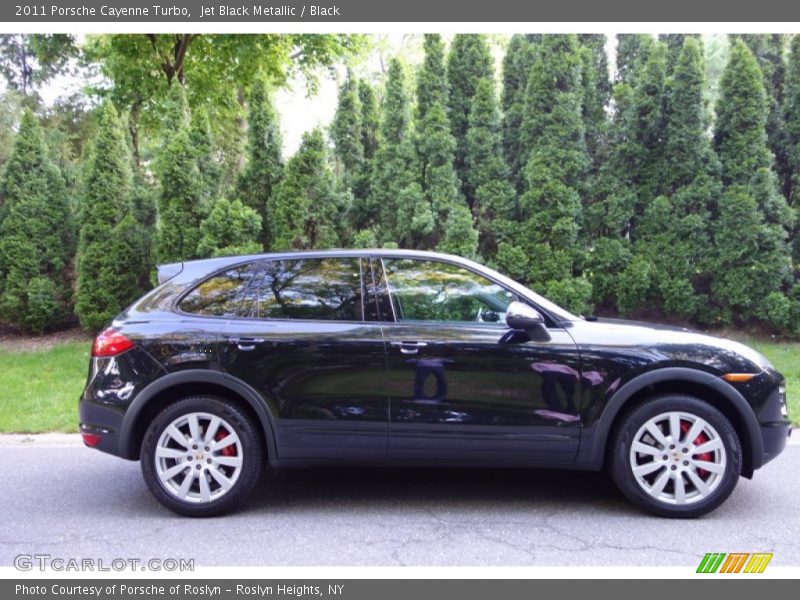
521, 317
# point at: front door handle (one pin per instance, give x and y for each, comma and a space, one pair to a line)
246, 343
409, 347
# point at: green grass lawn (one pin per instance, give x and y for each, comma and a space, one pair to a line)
40, 388
786, 358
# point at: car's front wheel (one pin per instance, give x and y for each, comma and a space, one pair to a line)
201, 456
676, 456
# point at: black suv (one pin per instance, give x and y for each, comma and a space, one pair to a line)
415, 358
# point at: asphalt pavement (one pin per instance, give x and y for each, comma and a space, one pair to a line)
61, 499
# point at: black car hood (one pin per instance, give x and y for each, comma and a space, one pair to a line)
669, 342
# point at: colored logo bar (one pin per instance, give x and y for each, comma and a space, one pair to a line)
734, 562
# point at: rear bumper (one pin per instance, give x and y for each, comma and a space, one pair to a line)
102, 421
112, 386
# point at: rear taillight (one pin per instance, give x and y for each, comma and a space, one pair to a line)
110, 342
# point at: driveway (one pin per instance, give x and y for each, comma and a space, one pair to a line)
62, 499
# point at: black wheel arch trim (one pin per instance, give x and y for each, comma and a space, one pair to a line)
595, 438
236, 386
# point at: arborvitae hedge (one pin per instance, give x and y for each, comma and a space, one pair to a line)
555, 174
469, 61
37, 241
400, 212
108, 249
230, 228
264, 166
751, 253
307, 206
180, 203
598, 185
487, 182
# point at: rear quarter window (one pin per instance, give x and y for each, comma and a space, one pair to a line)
220, 295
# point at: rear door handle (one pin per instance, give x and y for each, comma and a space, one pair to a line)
246, 343
409, 347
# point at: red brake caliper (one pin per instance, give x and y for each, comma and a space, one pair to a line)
700, 439
227, 450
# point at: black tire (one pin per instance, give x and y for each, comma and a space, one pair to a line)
621, 469
252, 456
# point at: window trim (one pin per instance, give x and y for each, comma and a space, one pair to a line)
372, 261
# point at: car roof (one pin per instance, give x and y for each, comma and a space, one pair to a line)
190, 267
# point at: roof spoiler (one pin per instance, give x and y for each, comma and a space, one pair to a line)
167, 272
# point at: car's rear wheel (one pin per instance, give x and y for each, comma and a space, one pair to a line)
676, 456
201, 456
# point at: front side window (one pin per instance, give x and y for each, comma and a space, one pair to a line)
328, 289
220, 295
424, 290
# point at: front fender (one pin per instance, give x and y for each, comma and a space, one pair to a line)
595, 437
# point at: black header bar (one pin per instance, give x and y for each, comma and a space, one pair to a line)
460, 11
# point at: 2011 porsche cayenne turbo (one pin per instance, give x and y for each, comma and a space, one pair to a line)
412, 358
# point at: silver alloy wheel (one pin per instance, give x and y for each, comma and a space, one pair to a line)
198, 457
678, 458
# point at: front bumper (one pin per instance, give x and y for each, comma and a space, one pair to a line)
773, 418
775, 436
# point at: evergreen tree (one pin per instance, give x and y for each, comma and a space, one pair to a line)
673, 234
769, 50
596, 95
632, 49
432, 84
436, 147
347, 135
486, 171
609, 214
405, 216
108, 229
687, 147
36, 235
550, 207
143, 204
264, 165
230, 228
517, 65
460, 234
632, 176
468, 62
207, 164
370, 119
752, 260
363, 213
307, 208
180, 207
649, 116
791, 110
674, 43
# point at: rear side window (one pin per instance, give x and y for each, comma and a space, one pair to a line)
328, 289
220, 295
